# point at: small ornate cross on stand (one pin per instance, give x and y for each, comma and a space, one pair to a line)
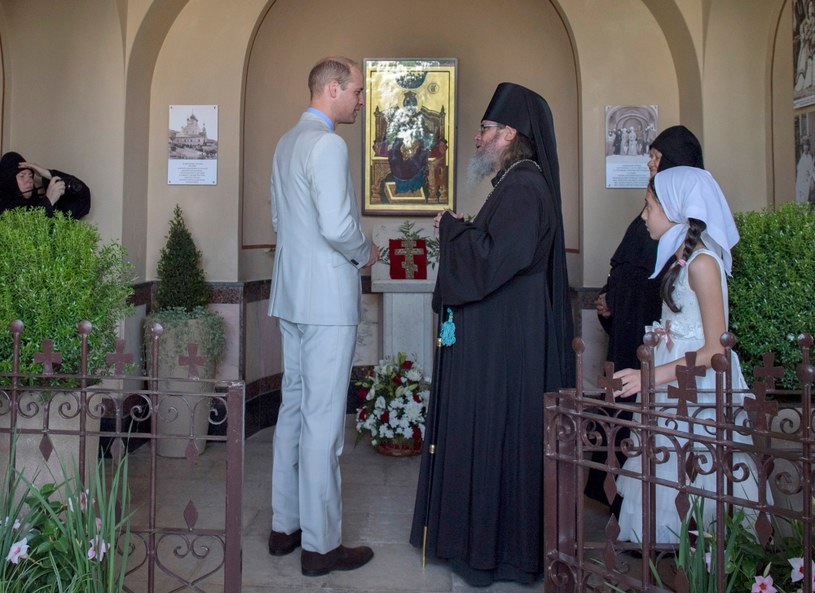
409, 249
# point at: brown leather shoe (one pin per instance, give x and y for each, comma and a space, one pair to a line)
281, 543
340, 558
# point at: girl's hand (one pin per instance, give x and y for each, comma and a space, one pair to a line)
632, 382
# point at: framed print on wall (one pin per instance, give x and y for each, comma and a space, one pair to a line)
630, 129
409, 143
192, 141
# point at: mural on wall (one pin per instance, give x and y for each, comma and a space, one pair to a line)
803, 52
409, 141
805, 164
629, 131
192, 145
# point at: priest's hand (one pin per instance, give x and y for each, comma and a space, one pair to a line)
374, 255
632, 382
440, 215
602, 306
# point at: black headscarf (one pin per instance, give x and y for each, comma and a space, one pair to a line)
526, 111
9, 168
679, 147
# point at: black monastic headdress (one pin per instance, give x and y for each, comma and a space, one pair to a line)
529, 113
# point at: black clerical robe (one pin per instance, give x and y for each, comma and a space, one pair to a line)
503, 276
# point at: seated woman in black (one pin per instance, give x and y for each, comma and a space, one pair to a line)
60, 191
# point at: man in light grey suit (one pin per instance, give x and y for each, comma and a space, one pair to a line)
316, 295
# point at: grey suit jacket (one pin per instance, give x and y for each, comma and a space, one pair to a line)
320, 245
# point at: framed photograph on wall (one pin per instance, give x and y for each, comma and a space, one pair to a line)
803, 53
192, 145
409, 143
804, 125
630, 129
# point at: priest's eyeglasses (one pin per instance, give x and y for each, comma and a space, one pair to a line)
483, 127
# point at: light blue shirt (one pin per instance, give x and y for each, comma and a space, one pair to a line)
324, 117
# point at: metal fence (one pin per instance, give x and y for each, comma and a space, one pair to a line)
762, 436
185, 482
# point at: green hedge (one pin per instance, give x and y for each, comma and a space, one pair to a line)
771, 292
54, 273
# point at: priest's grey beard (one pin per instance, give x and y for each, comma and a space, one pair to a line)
482, 165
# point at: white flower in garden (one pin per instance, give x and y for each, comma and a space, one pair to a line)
18, 550
380, 403
16, 525
97, 549
798, 569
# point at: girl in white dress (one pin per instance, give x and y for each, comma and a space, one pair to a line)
686, 211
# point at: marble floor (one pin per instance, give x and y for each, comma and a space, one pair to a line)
378, 493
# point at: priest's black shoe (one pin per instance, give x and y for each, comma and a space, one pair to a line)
281, 543
314, 564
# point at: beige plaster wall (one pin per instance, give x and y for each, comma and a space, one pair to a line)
94, 99
615, 69
781, 181
524, 41
201, 63
737, 99
64, 95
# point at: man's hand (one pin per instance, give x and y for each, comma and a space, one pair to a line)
374, 255
437, 220
601, 306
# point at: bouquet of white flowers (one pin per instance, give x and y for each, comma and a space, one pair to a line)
393, 406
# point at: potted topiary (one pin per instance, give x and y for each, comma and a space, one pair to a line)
182, 300
55, 272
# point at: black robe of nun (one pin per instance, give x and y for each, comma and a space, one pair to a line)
633, 299
503, 276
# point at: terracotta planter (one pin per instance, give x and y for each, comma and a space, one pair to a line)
403, 449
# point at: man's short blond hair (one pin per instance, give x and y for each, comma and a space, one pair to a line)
329, 69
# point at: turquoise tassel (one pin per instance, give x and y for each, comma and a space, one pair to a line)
448, 330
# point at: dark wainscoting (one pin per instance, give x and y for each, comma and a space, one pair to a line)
263, 394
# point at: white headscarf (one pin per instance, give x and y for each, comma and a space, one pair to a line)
688, 192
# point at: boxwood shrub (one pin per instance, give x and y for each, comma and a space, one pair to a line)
54, 273
771, 291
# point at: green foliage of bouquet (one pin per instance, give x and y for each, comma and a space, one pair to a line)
408, 232
394, 400
771, 289
63, 537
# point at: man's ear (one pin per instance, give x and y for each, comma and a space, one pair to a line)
332, 88
509, 133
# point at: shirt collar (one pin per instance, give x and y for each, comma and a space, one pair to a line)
322, 115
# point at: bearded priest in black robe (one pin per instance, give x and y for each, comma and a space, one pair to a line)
503, 290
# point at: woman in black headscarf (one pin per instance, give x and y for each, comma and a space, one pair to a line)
629, 301
60, 191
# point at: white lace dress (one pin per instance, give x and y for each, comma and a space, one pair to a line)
686, 335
